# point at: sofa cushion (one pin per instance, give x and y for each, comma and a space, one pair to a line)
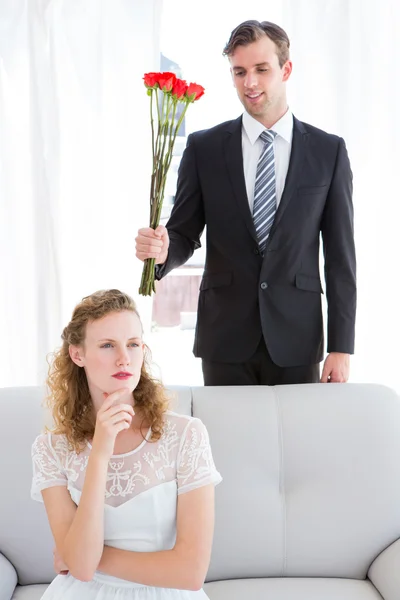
311, 480
260, 589
29, 592
25, 537
292, 589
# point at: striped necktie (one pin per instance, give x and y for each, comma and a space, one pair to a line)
264, 207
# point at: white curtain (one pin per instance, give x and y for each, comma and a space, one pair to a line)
345, 80
74, 164
74, 149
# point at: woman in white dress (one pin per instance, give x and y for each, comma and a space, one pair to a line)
127, 484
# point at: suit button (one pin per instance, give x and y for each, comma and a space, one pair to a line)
256, 251
264, 285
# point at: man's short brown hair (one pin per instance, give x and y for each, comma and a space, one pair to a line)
251, 31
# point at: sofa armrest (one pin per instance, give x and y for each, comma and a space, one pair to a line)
385, 572
8, 578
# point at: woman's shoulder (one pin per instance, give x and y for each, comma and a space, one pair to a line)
179, 418
50, 443
182, 423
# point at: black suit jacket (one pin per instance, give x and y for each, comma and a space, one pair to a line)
245, 293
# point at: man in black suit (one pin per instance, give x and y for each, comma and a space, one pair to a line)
266, 186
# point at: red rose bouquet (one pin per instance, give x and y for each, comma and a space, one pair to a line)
166, 91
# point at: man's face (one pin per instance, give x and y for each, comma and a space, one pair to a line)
259, 80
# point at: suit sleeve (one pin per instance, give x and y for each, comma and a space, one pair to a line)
186, 223
337, 229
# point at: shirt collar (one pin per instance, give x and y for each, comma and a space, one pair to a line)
283, 127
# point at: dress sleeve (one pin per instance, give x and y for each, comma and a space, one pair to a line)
195, 464
47, 469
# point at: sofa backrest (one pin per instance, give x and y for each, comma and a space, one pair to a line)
311, 479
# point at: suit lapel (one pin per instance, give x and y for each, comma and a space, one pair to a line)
234, 161
297, 156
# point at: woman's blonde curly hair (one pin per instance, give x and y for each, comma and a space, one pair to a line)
69, 397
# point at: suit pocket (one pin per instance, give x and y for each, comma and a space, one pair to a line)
311, 190
214, 280
308, 283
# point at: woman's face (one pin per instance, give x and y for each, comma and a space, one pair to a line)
112, 354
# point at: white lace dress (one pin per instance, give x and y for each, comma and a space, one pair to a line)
140, 500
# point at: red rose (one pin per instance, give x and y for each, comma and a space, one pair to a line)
179, 89
165, 91
194, 91
166, 81
151, 79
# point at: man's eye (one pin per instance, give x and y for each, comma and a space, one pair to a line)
239, 73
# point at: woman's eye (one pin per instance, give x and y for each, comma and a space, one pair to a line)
108, 345
134, 345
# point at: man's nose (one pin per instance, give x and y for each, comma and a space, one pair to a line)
250, 81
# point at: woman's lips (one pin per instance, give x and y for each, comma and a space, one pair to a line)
122, 376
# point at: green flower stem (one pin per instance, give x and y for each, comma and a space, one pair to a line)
153, 179
147, 281
162, 150
160, 147
159, 118
152, 123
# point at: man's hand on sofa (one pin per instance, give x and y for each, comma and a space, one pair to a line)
336, 368
59, 565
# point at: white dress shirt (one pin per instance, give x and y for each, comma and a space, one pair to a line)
252, 146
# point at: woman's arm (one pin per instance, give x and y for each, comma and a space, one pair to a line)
79, 531
185, 565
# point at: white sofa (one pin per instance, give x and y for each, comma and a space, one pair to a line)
309, 508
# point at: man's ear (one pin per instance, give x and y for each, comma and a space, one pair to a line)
76, 355
287, 70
